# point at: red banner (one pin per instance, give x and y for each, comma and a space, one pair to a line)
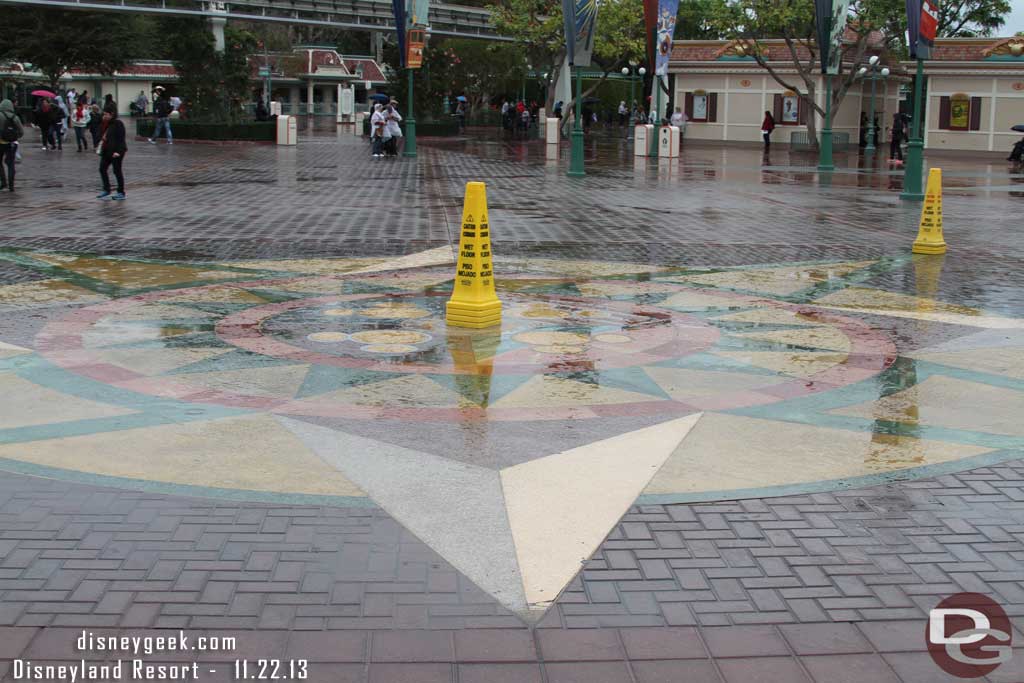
651, 25
929, 21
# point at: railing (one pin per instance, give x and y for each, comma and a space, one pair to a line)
445, 19
799, 140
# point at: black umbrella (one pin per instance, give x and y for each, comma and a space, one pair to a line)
1019, 128
380, 97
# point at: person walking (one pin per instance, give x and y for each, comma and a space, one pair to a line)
623, 114
394, 130
460, 115
11, 131
767, 126
95, 124
142, 103
48, 119
62, 121
80, 118
896, 139
378, 127
163, 110
113, 147
679, 120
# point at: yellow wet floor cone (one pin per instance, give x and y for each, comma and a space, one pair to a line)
929, 234
473, 302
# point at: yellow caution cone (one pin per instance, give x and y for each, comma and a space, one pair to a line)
929, 234
474, 303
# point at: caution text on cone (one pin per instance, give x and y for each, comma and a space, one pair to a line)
929, 234
473, 302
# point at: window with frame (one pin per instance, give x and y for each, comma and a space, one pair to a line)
701, 106
788, 110
960, 112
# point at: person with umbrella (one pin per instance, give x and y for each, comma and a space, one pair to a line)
11, 131
47, 117
1018, 148
460, 113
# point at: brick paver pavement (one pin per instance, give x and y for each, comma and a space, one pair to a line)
824, 587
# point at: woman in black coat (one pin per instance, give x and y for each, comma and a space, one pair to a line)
113, 147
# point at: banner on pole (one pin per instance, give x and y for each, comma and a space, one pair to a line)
840, 12
579, 18
831, 15
666, 30
398, 6
650, 28
929, 26
913, 25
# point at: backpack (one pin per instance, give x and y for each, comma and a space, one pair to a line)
10, 130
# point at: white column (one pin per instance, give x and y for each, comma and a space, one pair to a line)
217, 24
309, 98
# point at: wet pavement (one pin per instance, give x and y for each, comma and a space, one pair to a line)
729, 428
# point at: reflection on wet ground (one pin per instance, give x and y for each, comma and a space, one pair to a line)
264, 324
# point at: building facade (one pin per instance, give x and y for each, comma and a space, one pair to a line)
974, 86
307, 80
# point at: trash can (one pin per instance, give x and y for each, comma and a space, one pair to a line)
287, 130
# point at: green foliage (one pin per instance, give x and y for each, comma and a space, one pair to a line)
969, 18
213, 84
54, 40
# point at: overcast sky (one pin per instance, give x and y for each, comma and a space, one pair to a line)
1014, 22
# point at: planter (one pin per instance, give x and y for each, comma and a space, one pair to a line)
255, 131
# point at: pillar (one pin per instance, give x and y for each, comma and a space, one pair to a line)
309, 98
294, 98
217, 24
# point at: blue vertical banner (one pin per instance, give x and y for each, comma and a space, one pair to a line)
579, 19
666, 31
913, 25
399, 8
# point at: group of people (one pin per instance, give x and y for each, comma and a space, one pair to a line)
78, 112
107, 131
385, 130
517, 118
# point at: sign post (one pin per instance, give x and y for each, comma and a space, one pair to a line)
922, 22
831, 15
579, 17
410, 24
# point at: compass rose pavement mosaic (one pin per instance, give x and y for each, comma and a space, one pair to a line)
510, 451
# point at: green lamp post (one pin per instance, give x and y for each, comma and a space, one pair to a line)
912, 190
576, 159
410, 123
876, 72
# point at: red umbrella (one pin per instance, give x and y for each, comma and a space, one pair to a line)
43, 93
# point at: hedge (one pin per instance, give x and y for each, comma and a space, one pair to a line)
262, 131
427, 128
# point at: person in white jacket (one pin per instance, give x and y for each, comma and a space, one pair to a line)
394, 131
378, 129
80, 117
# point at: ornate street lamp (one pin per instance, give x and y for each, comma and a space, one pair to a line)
632, 72
876, 72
